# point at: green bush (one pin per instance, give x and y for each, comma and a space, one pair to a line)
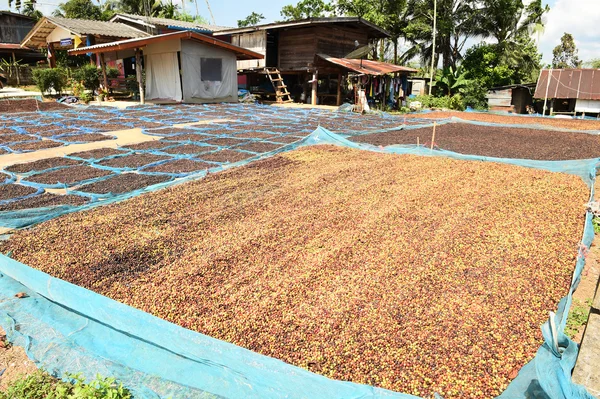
50, 78
474, 95
112, 72
455, 102
41, 385
89, 75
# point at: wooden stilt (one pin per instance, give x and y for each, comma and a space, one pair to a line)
51, 56
138, 73
315, 85
433, 136
103, 66
339, 90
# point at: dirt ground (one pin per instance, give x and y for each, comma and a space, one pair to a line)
13, 363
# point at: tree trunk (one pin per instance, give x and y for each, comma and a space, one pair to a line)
396, 51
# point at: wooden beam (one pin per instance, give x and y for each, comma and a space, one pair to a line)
315, 86
51, 55
16, 66
138, 73
339, 90
103, 66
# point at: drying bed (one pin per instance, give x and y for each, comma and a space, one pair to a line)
84, 138
43, 200
226, 156
10, 191
68, 175
122, 183
495, 141
133, 161
29, 105
187, 149
576, 124
348, 263
180, 166
98, 153
41, 164
35, 145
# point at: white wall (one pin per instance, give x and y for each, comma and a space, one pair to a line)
197, 91
588, 106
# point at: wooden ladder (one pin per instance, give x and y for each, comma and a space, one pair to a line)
281, 91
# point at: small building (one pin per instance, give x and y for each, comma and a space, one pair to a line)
180, 66
54, 33
515, 98
297, 52
569, 91
13, 28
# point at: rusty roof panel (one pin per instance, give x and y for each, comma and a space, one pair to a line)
367, 67
583, 84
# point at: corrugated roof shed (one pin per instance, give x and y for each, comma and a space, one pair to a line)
581, 84
155, 21
80, 27
367, 67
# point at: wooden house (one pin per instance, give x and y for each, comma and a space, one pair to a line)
13, 28
299, 55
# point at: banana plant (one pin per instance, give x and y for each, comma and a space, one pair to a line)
450, 80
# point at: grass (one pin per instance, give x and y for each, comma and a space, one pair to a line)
41, 385
578, 317
414, 274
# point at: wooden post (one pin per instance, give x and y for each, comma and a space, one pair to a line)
433, 136
315, 85
138, 74
51, 56
104, 76
338, 101
16, 69
418, 141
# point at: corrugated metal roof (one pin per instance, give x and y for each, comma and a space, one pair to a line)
582, 84
366, 67
241, 53
100, 28
373, 29
170, 22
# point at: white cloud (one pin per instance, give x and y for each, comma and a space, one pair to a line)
577, 17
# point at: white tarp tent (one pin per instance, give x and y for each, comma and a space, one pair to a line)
162, 71
209, 73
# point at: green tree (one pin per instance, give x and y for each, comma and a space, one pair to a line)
251, 20
457, 21
508, 20
307, 9
26, 7
83, 9
150, 8
565, 54
595, 63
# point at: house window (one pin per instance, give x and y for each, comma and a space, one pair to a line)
211, 69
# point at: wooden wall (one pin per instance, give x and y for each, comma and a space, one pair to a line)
298, 47
255, 41
14, 28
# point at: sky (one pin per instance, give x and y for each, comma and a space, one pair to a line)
578, 17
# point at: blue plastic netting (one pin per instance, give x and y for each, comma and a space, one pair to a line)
67, 328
